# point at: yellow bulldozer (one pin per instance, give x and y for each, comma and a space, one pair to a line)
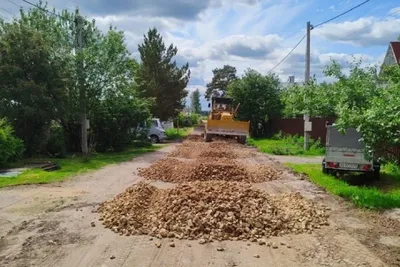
221, 121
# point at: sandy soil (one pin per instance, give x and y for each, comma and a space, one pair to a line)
50, 225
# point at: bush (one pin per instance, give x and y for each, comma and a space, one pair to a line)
115, 120
11, 148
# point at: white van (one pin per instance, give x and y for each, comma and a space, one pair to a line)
156, 131
346, 153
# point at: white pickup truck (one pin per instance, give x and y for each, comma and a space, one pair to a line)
345, 153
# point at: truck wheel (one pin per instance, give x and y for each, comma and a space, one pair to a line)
154, 138
377, 174
324, 170
207, 137
241, 140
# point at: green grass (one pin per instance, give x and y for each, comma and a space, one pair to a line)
381, 194
174, 134
73, 166
289, 145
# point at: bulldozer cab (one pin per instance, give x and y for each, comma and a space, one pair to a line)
222, 104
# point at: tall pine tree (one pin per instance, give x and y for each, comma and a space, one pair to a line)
159, 77
195, 102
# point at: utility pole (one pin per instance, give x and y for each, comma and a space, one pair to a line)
306, 81
81, 81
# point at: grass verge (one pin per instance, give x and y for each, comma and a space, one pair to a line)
289, 145
174, 133
381, 194
73, 166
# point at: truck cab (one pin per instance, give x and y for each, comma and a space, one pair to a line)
345, 153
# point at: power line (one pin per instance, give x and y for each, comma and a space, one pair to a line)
14, 3
341, 14
45, 10
291, 51
7, 11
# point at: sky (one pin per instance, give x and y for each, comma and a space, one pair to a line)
246, 34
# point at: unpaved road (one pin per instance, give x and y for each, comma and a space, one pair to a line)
50, 225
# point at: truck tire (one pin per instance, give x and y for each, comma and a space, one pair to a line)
154, 138
377, 173
324, 169
242, 140
207, 137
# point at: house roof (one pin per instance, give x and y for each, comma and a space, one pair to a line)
396, 50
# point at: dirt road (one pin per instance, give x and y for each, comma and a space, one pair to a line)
57, 225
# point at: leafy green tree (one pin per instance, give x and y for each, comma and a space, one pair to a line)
220, 81
258, 96
33, 90
41, 70
159, 77
195, 101
313, 99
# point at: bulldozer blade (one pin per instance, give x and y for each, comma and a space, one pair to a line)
221, 127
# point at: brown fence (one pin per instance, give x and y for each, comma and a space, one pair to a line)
296, 127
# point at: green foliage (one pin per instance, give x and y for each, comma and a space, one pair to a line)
185, 120
11, 148
365, 197
370, 105
159, 77
43, 77
74, 165
220, 81
287, 145
258, 96
360, 100
313, 99
195, 102
33, 90
115, 121
174, 133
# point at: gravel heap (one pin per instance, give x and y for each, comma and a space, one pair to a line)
213, 210
206, 169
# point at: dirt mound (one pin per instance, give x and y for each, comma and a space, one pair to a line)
167, 170
211, 153
210, 210
207, 169
194, 138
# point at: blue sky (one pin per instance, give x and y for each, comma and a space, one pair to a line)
248, 33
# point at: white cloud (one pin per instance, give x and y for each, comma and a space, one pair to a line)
362, 32
332, 7
395, 11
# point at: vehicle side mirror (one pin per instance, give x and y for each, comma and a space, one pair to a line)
209, 105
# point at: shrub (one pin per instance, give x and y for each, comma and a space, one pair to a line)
114, 122
11, 148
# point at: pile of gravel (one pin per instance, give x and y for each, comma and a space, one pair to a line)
212, 210
206, 169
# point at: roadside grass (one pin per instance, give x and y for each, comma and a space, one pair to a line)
72, 166
381, 194
287, 145
174, 133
